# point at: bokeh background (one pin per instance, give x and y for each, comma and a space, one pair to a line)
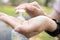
8, 7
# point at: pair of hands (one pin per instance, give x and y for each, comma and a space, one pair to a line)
33, 9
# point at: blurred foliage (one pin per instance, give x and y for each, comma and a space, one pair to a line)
47, 9
41, 2
8, 10
45, 36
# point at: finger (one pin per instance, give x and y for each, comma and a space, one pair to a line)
35, 4
32, 8
2, 14
21, 7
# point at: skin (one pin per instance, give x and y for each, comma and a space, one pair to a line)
33, 26
30, 27
37, 10
54, 15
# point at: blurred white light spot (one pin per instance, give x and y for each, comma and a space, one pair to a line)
5, 1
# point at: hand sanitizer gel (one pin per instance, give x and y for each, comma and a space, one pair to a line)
16, 35
21, 12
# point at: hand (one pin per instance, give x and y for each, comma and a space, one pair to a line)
2, 15
33, 9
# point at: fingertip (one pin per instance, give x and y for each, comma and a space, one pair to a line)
34, 3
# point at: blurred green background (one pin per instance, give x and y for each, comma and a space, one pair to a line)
8, 7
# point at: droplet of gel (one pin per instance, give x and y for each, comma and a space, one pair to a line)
21, 12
